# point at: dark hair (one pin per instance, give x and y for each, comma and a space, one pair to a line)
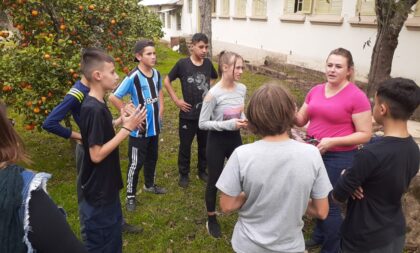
199, 37
271, 110
92, 59
11, 146
346, 54
140, 45
401, 95
229, 58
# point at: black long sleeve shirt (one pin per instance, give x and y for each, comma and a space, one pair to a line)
384, 170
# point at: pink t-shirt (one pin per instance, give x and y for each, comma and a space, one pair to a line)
331, 117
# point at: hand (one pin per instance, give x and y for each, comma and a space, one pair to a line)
358, 193
325, 144
241, 123
129, 109
135, 119
184, 106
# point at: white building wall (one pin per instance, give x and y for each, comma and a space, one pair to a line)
308, 44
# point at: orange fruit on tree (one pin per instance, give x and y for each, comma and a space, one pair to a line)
81, 7
43, 99
29, 127
29, 103
91, 7
120, 33
113, 22
34, 13
62, 27
50, 94
47, 56
36, 110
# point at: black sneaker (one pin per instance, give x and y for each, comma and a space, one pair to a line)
184, 180
310, 244
131, 205
203, 176
131, 229
213, 228
155, 189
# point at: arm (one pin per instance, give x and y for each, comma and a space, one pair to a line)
352, 179
301, 117
161, 105
180, 103
318, 208
50, 231
230, 204
117, 102
205, 123
99, 152
52, 122
363, 131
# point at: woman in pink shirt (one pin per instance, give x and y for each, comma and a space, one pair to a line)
339, 116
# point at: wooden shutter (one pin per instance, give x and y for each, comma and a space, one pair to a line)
240, 7
289, 6
259, 8
366, 8
307, 6
225, 8
417, 11
330, 7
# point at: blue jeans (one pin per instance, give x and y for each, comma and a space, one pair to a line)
101, 232
327, 232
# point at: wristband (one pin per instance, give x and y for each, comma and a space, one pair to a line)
126, 129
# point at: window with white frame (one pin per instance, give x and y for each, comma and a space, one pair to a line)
178, 20
190, 6
240, 8
259, 8
225, 8
365, 8
328, 7
298, 6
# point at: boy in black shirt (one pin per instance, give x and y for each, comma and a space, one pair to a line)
382, 172
195, 73
100, 176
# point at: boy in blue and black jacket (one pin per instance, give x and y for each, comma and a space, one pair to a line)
144, 86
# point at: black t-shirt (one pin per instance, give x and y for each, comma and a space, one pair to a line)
384, 169
102, 181
195, 83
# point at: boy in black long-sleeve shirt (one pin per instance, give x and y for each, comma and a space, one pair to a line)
382, 172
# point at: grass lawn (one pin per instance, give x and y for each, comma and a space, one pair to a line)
174, 222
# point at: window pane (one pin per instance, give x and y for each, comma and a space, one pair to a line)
332, 7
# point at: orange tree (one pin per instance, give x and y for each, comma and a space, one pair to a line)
40, 56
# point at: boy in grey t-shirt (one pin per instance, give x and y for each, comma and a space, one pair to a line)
272, 180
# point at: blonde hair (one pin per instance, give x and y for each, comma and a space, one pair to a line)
228, 58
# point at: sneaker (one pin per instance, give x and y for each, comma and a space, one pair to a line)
131, 205
155, 189
131, 229
203, 176
310, 243
214, 229
184, 180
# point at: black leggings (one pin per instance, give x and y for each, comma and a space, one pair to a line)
220, 145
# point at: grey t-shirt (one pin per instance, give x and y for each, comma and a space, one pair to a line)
278, 179
221, 108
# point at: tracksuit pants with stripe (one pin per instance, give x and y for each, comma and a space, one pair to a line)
141, 151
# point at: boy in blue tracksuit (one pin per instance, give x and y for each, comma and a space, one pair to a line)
144, 85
